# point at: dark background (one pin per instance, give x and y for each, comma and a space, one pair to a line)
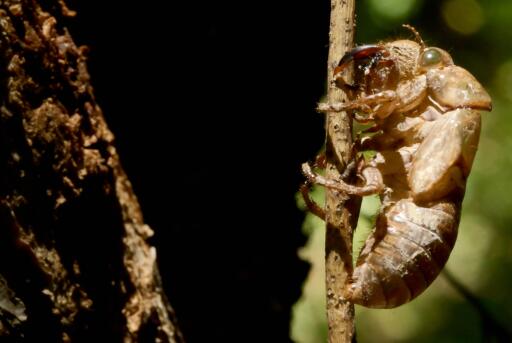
212, 104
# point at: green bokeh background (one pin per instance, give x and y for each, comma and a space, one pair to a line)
478, 35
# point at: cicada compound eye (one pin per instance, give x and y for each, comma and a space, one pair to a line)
431, 57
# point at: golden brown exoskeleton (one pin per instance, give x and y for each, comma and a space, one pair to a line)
426, 130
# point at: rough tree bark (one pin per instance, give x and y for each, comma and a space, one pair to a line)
75, 265
341, 215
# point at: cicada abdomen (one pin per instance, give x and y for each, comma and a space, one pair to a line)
408, 249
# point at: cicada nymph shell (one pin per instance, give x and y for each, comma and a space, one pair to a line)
425, 112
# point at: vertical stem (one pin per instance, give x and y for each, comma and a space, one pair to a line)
338, 244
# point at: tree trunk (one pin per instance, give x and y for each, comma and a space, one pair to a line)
75, 265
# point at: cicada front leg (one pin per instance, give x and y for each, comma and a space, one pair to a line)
366, 108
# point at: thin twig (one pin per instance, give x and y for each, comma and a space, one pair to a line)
340, 222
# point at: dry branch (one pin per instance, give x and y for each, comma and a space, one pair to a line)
340, 222
75, 263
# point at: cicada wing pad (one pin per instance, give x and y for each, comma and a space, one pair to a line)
455, 87
443, 160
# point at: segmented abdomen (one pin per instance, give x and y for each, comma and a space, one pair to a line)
407, 251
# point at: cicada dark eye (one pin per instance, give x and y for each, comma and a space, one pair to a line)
431, 57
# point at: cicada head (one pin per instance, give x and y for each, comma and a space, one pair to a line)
382, 66
378, 67
404, 54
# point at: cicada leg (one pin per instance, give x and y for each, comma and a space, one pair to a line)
320, 162
372, 176
312, 206
378, 105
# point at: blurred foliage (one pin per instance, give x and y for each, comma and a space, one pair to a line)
477, 34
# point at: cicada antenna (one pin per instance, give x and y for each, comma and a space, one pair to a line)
416, 34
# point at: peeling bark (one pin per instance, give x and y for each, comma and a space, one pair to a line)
75, 264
